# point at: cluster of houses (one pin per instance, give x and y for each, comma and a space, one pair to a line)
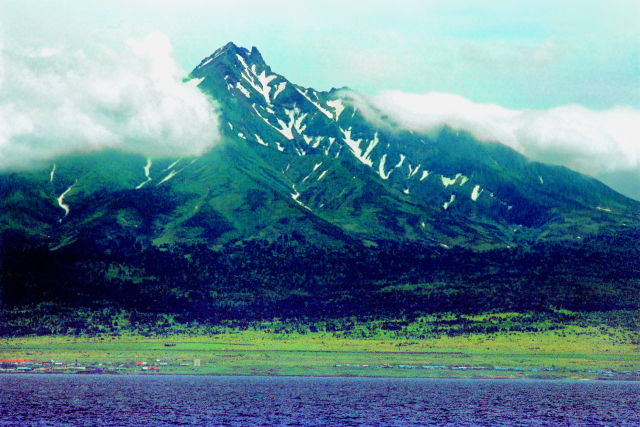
22, 365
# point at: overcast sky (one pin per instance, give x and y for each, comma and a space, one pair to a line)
526, 56
535, 54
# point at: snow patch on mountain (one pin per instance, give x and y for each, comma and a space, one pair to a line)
171, 174
600, 208
331, 141
259, 82
451, 181
372, 145
243, 89
260, 140
315, 167
172, 165
264, 82
447, 204
147, 169
299, 127
381, 172
206, 62
295, 196
279, 88
174, 172
241, 59
317, 105
447, 181
195, 81
354, 146
337, 106
413, 171
475, 193
285, 130
62, 204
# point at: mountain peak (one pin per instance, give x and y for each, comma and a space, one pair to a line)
231, 50
255, 55
229, 45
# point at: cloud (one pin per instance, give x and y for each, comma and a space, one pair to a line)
55, 102
589, 141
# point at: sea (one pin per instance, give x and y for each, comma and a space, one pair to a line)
155, 400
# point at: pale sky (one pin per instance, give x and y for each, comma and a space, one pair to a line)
534, 54
569, 71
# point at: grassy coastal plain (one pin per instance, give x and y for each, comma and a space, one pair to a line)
574, 351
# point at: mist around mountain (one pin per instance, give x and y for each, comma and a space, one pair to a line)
313, 205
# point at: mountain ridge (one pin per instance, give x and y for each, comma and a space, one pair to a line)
293, 123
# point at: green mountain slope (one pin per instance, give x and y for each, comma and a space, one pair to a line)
311, 206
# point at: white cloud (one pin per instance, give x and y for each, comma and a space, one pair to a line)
589, 141
55, 102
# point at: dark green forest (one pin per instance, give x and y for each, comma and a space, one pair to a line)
291, 278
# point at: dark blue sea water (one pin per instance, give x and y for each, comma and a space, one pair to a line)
244, 401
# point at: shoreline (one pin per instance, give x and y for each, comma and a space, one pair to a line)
381, 377
487, 373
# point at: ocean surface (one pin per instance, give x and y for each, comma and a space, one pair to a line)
53, 400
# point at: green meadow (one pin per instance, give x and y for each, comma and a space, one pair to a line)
573, 351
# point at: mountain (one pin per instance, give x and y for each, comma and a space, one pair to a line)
374, 179
304, 173
295, 159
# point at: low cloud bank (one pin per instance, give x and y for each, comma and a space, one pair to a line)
589, 141
55, 102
